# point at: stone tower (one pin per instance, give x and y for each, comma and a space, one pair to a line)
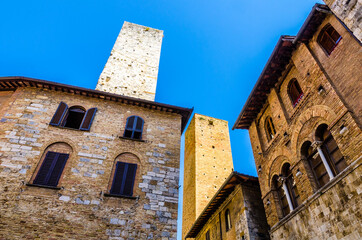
132, 67
208, 162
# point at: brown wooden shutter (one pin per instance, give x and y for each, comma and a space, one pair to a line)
59, 114
88, 119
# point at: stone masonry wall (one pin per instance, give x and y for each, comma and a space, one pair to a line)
332, 213
132, 67
247, 217
349, 12
79, 209
208, 151
328, 98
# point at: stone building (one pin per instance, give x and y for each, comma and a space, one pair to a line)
304, 122
349, 12
218, 203
77, 163
235, 212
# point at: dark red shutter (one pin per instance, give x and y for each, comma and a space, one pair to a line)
130, 177
118, 178
58, 169
88, 119
45, 168
59, 114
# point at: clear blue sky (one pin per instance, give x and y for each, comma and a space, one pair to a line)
212, 53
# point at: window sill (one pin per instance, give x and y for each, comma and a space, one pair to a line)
75, 129
119, 196
43, 186
132, 139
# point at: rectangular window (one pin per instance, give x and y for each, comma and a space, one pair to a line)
123, 179
51, 169
207, 237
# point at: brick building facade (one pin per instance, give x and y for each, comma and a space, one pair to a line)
87, 164
304, 122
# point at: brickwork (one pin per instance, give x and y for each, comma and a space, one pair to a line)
247, 217
208, 162
349, 12
132, 67
330, 86
79, 209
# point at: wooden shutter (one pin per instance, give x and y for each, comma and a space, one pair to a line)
58, 169
45, 168
88, 119
130, 177
59, 114
118, 178
51, 169
123, 180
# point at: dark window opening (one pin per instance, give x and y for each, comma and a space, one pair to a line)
227, 220
134, 127
329, 38
207, 236
295, 92
73, 118
269, 128
330, 149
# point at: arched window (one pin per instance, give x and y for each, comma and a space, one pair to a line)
292, 188
134, 127
52, 164
295, 92
124, 175
269, 128
227, 220
287, 190
316, 164
329, 38
330, 149
75, 117
278, 186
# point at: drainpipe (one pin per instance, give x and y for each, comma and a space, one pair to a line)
318, 144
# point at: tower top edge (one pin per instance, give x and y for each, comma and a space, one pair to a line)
125, 23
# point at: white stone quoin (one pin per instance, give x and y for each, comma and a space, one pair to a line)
132, 67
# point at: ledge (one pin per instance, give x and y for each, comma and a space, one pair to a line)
119, 196
132, 139
318, 193
42, 186
75, 129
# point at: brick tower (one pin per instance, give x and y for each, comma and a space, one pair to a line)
132, 67
208, 162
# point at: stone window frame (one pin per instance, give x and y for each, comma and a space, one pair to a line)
228, 224
324, 33
269, 128
319, 149
58, 147
295, 100
134, 160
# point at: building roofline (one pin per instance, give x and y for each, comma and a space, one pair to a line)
275, 65
220, 196
12, 83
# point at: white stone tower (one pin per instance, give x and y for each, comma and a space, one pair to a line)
132, 67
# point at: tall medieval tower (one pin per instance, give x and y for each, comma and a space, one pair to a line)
132, 67
208, 162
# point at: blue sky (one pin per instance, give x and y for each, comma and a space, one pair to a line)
212, 52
